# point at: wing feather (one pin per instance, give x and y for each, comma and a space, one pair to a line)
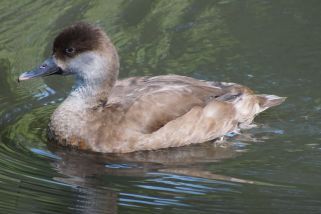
152, 102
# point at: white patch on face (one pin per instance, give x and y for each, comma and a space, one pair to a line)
91, 70
91, 66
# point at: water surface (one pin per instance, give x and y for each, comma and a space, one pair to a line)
273, 47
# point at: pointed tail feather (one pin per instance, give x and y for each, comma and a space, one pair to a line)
266, 101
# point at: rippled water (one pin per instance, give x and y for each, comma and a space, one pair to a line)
271, 46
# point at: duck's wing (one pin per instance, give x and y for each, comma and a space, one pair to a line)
151, 102
170, 111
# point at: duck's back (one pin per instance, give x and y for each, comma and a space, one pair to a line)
149, 103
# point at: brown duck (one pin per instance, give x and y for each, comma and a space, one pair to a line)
104, 114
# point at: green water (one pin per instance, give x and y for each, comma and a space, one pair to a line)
273, 47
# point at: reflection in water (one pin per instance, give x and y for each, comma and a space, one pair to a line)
169, 171
86, 170
271, 46
82, 165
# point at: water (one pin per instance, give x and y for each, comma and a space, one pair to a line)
271, 46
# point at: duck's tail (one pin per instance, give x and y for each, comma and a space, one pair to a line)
266, 101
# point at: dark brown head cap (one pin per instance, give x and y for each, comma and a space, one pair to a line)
79, 38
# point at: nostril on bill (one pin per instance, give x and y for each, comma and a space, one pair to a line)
43, 65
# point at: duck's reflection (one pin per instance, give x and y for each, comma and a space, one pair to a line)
86, 164
100, 178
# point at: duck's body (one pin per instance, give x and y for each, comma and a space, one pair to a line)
140, 113
145, 113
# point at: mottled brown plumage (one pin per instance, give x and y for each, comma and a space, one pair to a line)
139, 113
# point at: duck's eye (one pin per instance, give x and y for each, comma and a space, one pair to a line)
70, 50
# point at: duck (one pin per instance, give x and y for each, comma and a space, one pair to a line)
109, 115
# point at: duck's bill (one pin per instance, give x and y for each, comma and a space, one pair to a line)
48, 67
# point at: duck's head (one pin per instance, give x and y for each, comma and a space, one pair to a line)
83, 50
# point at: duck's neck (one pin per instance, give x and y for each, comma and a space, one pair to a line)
97, 74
